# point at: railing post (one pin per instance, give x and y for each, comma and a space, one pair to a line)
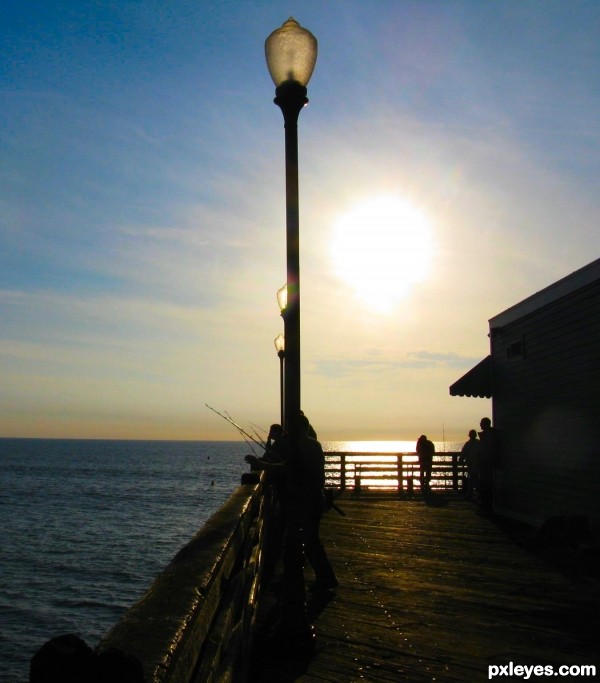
342, 472
455, 471
409, 479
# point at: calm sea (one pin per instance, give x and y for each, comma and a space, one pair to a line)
87, 526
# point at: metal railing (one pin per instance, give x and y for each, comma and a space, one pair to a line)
398, 472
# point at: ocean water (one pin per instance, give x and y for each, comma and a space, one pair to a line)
88, 525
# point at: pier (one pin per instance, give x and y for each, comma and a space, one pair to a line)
430, 590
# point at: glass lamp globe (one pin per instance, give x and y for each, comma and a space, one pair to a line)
291, 53
279, 344
282, 298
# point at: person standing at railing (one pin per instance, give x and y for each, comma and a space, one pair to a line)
273, 459
311, 429
304, 504
273, 463
469, 455
275, 446
425, 451
488, 456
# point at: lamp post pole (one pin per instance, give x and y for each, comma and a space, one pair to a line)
291, 53
280, 348
291, 98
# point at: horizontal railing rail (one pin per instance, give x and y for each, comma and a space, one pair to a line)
399, 472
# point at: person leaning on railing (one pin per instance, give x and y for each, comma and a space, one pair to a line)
305, 501
425, 451
273, 463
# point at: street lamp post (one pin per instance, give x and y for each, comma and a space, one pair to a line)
291, 53
280, 348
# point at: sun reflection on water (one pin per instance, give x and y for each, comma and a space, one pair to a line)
386, 446
370, 446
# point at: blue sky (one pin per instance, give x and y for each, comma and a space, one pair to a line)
142, 206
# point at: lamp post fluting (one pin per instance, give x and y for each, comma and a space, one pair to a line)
291, 54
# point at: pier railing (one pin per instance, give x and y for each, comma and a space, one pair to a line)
390, 472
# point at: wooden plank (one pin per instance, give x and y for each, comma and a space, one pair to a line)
435, 593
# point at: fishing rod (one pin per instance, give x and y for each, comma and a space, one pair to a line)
258, 439
255, 429
247, 442
248, 438
258, 428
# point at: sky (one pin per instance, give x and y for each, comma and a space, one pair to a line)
449, 168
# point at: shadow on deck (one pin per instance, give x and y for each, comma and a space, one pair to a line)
434, 592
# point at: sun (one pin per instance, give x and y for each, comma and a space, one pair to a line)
380, 248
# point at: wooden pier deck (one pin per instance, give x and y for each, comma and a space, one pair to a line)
434, 591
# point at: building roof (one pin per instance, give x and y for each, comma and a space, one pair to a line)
477, 382
580, 278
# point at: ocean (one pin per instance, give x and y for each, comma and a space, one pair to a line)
87, 525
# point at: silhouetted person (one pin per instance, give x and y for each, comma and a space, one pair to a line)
65, 658
275, 446
425, 451
68, 659
274, 456
470, 456
488, 453
276, 453
304, 504
311, 430
273, 462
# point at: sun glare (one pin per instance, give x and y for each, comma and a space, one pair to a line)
380, 248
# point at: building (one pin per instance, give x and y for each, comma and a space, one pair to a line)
543, 375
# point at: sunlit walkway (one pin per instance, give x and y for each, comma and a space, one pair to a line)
437, 592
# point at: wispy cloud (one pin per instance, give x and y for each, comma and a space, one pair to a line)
344, 367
